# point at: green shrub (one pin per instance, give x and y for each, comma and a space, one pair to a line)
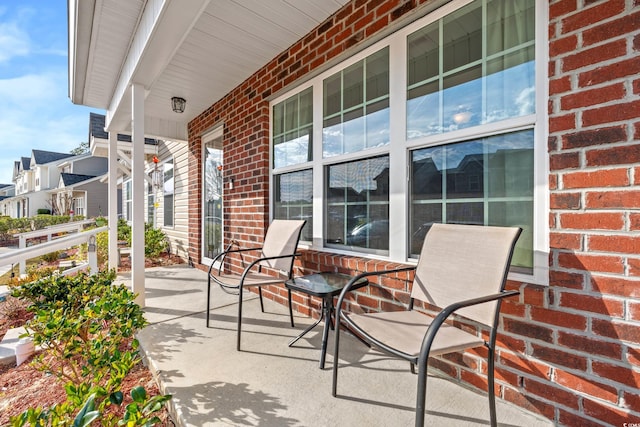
155, 241
51, 256
85, 326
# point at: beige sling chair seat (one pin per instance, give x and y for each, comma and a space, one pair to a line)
462, 269
276, 253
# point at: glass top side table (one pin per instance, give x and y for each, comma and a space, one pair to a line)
326, 286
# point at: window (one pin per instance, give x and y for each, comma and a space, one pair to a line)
439, 122
151, 205
168, 191
486, 181
293, 199
78, 206
356, 106
292, 130
471, 67
127, 195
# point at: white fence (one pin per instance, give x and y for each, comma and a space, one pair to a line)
89, 237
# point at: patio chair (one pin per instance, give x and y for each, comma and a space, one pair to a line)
462, 269
276, 253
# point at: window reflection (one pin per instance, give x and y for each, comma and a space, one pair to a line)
357, 211
356, 106
482, 182
293, 130
293, 197
479, 72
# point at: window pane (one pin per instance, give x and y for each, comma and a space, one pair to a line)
485, 182
293, 130
293, 199
423, 49
509, 24
486, 72
357, 211
361, 121
462, 37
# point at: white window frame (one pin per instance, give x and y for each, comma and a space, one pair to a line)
399, 148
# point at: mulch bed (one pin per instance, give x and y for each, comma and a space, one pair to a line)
25, 387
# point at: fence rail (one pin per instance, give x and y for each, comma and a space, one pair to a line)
22, 254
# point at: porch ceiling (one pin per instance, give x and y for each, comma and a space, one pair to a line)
198, 50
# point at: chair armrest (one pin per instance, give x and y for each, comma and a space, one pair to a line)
448, 311
222, 255
253, 263
355, 279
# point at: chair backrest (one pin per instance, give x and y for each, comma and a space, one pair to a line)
281, 239
460, 262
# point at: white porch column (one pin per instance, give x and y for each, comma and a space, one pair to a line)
137, 174
113, 200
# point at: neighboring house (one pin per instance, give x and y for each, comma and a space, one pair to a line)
6, 192
39, 185
397, 114
166, 189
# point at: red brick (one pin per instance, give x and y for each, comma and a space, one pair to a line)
612, 113
600, 136
527, 329
560, 8
586, 385
616, 199
567, 418
565, 241
589, 345
591, 263
617, 244
558, 318
612, 413
530, 403
590, 57
619, 373
562, 123
619, 286
587, 98
627, 24
623, 331
563, 45
558, 357
564, 161
590, 15
534, 295
634, 267
560, 85
602, 178
525, 364
592, 304
563, 279
592, 221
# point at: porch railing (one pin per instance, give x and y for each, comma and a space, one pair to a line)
49, 232
89, 237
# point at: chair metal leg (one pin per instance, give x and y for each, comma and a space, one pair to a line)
422, 393
334, 387
208, 298
239, 316
290, 308
491, 388
261, 303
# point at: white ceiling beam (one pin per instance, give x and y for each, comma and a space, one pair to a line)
162, 29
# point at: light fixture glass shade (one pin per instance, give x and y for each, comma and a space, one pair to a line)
178, 104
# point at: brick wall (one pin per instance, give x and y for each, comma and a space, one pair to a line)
569, 351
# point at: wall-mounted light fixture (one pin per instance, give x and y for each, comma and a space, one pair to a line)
178, 104
157, 176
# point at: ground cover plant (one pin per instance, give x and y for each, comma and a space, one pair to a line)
85, 326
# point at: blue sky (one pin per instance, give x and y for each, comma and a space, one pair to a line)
35, 110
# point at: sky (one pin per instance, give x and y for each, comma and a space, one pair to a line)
35, 110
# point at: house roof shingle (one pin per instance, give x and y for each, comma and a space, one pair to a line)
96, 129
73, 178
42, 157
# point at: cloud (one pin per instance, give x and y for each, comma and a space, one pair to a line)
13, 41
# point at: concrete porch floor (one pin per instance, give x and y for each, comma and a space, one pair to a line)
271, 384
